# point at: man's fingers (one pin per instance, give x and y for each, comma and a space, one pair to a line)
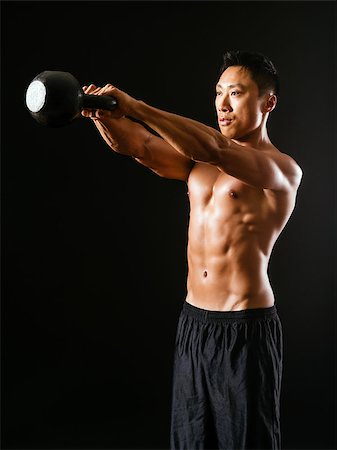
103, 114
96, 114
88, 113
92, 89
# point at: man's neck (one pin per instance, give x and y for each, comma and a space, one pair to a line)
258, 139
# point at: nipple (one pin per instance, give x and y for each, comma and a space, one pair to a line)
233, 194
205, 273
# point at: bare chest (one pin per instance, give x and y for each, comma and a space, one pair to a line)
213, 191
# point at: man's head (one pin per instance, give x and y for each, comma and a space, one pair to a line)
246, 93
261, 69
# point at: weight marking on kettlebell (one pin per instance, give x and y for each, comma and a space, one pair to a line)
35, 96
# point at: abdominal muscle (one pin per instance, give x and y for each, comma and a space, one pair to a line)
229, 244
234, 281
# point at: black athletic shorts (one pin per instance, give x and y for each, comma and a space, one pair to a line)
227, 380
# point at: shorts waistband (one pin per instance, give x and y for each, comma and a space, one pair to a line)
223, 316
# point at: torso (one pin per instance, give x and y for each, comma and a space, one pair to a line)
233, 228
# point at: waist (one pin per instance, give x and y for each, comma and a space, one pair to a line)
218, 298
223, 316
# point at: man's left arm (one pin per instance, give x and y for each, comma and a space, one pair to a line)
201, 143
264, 169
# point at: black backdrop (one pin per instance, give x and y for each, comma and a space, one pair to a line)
93, 244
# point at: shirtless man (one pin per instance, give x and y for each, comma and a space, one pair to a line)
242, 191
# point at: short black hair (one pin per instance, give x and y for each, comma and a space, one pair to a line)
261, 69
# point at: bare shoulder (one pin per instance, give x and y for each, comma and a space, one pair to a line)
289, 168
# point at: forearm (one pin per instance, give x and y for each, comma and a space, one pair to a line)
193, 139
124, 136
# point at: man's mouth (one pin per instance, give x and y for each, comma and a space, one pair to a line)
225, 121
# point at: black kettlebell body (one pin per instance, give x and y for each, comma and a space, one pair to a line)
55, 98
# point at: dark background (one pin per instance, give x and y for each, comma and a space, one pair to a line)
93, 244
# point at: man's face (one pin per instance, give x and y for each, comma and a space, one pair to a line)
238, 105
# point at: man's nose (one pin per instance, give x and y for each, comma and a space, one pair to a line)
224, 104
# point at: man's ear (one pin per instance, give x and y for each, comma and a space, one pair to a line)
270, 103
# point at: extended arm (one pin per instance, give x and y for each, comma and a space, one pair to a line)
265, 169
130, 138
260, 168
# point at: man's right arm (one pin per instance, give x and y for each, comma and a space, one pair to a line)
130, 138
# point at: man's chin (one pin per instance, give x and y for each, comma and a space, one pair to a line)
230, 134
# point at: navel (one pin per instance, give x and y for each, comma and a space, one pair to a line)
233, 194
205, 273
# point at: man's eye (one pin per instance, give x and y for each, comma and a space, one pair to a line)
218, 93
235, 93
